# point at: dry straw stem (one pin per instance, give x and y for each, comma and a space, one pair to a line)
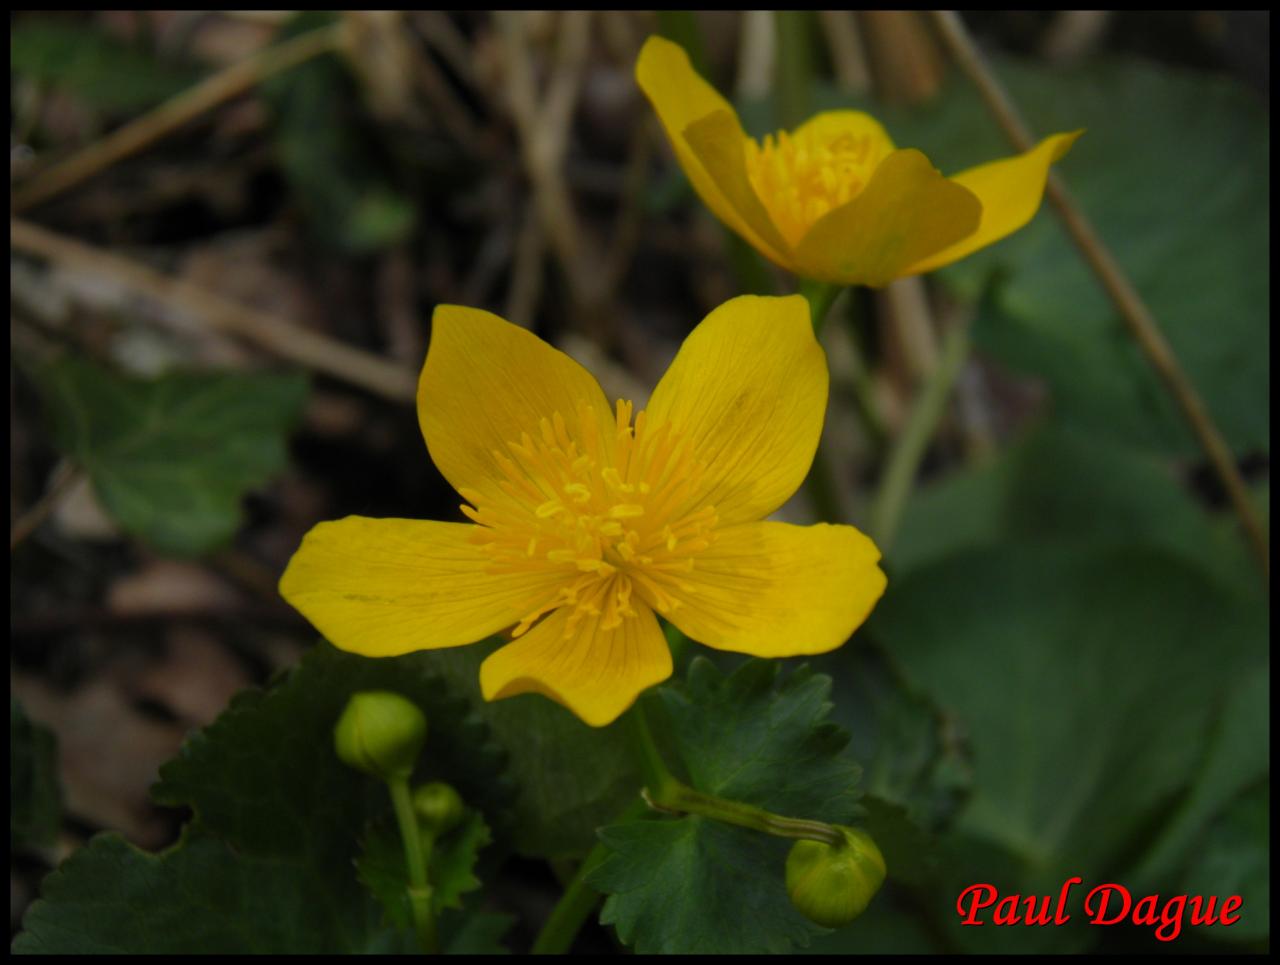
543, 126
1137, 317
284, 339
172, 114
60, 483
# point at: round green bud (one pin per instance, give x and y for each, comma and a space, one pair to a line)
833, 884
380, 733
438, 806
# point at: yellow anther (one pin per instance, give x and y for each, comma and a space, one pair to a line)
548, 509
579, 492
626, 511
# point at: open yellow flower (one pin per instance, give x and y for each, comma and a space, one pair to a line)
834, 200
586, 522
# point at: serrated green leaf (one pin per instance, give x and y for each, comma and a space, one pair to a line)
268, 861
171, 458
35, 793
690, 884
450, 867
201, 896
453, 862
83, 60
569, 779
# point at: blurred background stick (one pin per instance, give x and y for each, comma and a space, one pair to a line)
283, 339
1137, 317
150, 127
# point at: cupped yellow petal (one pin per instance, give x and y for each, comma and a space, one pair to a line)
801, 175
852, 131
720, 145
682, 99
777, 590
748, 391
486, 384
382, 587
1010, 191
597, 673
907, 212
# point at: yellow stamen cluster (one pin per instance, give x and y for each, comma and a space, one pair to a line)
614, 514
800, 178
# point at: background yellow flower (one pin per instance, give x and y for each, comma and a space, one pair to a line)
834, 200
585, 522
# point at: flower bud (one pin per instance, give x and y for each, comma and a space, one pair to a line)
833, 884
380, 733
438, 806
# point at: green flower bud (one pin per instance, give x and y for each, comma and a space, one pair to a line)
438, 806
380, 733
833, 884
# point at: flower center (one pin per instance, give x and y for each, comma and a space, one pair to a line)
616, 519
799, 178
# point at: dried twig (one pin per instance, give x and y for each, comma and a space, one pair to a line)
155, 124
285, 339
64, 477
1137, 317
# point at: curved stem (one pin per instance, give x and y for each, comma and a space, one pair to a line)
904, 459
579, 898
665, 792
679, 797
416, 859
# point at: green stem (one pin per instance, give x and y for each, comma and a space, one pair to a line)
653, 769
863, 393
909, 449
416, 859
579, 898
667, 793
795, 66
821, 297
679, 797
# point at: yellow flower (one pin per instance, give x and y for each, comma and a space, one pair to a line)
585, 521
833, 200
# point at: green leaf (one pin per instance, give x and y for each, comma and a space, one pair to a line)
35, 794
1063, 486
691, 884
1173, 170
450, 867
268, 862
82, 60
331, 152
475, 933
569, 779
171, 458
1238, 757
1087, 679
1234, 858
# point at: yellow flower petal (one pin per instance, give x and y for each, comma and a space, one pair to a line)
777, 590
485, 383
596, 673
681, 99
1010, 191
383, 587
748, 390
718, 143
907, 212
835, 127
